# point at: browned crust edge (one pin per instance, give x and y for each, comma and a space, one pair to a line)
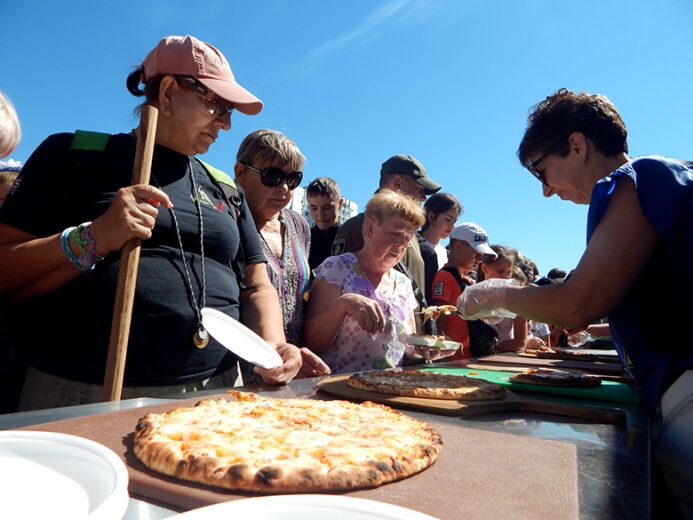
273, 478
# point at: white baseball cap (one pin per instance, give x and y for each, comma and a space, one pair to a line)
475, 236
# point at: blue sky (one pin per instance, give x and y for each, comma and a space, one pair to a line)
354, 82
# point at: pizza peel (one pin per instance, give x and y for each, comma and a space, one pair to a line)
593, 367
129, 265
511, 402
610, 391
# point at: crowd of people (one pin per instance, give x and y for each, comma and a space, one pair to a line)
337, 297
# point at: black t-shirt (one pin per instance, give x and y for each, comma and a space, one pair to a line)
430, 259
321, 244
67, 331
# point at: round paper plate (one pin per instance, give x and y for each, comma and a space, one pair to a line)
239, 339
433, 342
54, 475
304, 507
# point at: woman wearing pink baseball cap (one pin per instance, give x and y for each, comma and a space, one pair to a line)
62, 228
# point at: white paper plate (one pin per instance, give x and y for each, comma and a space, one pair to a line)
53, 475
428, 341
304, 507
239, 339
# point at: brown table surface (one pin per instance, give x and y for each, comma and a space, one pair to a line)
509, 465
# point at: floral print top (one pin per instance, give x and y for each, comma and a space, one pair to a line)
354, 349
290, 273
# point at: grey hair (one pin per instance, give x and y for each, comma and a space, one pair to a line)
10, 130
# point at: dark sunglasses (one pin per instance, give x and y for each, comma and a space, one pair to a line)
210, 101
273, 176
533, 166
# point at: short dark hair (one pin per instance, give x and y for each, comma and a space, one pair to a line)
565, 112
442, 202
324, 186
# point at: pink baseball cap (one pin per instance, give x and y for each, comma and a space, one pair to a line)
188, 56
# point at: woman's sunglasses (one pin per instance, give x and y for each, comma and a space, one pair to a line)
212, 103
273, 176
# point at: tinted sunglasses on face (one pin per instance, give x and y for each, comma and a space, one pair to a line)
273, 176
533, 166
210, 101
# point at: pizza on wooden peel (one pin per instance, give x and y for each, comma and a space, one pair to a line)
285, 445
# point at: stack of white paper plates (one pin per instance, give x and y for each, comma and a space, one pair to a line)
53, 475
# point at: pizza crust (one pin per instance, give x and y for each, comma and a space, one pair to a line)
550, 353
430, 385
286, 445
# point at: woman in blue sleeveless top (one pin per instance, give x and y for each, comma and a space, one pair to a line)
635, 267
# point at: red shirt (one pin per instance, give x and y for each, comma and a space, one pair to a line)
445, 290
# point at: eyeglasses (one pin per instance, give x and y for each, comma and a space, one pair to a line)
211, 102
533, 166
273, 176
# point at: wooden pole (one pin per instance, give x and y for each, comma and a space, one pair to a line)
129, 263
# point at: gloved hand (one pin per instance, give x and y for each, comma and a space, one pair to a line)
485, 300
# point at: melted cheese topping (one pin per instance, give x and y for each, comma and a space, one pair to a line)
304, 432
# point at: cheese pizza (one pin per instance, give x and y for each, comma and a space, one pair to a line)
285, 445
434, 312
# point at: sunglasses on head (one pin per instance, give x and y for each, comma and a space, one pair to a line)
210, 101
273, 176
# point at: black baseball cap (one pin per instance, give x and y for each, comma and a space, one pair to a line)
408, 165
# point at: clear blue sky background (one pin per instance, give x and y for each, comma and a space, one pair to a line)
354, 82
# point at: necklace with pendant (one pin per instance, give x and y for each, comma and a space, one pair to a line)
201, 337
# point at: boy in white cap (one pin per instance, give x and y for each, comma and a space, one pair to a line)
468, 245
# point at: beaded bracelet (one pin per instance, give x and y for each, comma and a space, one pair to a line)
79, 240
64, 242
81, 237
86, 231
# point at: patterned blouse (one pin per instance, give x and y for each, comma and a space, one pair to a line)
290, 274
353, 348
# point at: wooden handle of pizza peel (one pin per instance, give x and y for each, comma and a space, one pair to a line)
129, 263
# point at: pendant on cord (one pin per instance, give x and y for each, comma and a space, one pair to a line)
201, 338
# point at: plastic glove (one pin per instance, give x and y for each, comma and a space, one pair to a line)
485, 300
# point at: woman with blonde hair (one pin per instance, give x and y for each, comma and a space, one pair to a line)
360, 307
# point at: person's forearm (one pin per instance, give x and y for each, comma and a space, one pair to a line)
33, 267
555, 304
320, 329
599, 330
260, 311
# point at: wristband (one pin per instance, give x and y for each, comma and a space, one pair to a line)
64, 242
86, 232
82, 240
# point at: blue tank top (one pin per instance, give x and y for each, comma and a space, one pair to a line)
649, 325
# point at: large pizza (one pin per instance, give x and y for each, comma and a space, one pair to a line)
285, 445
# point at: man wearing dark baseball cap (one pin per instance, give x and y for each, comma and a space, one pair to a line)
408, 168
403, 174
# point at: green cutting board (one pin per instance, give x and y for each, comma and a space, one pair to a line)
607, 391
